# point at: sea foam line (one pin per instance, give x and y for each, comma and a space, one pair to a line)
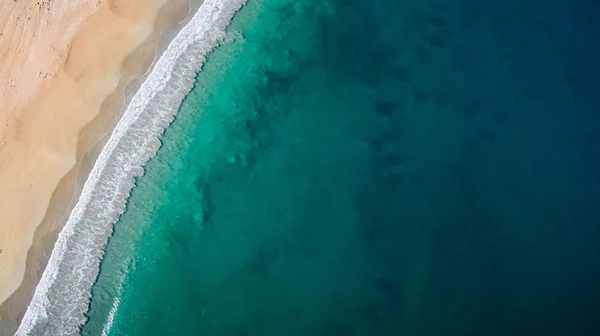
62, 296
111, 315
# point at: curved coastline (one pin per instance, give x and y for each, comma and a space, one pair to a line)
74, 262
64, 113
146, 39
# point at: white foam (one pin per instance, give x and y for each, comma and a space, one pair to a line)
111, 316
62, 296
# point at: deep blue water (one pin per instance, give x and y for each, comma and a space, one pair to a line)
382, 167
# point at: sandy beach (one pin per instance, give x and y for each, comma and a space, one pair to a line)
63, 67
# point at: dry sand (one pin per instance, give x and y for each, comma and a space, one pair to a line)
63, 67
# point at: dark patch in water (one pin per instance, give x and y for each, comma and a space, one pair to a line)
372, 313
383, 139
471, 145
488, 136
391, 292
470, 108
385, 108
447, 33
335, 329
261, 260
393, 181
500, 116
392, 159
421, 51
370, 78
401, 74
436, 41
437, 21
372, 233
275, 83
389, 137
420, 95
441, 100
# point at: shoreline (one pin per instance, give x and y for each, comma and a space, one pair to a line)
169, 16
62, 296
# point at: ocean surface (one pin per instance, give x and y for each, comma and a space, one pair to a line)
372, 167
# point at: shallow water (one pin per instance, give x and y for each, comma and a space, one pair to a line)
350, 167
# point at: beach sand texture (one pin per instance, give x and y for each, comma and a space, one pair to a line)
59, 61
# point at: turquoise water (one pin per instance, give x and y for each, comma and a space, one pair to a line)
380, 167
